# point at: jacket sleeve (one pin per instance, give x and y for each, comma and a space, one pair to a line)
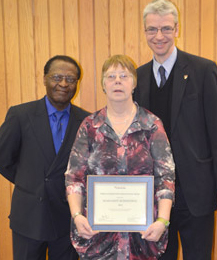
210, 108
10, 142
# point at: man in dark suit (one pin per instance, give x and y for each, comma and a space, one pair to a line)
184, 95
34, 159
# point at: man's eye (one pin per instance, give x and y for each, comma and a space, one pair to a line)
166, 28
70, 79
152, 29
57, 77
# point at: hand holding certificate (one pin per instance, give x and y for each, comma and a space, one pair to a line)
120, 203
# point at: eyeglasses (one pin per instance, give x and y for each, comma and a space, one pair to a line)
122, 76
164, 30
58, 78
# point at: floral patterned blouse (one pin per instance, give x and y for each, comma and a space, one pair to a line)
143, 150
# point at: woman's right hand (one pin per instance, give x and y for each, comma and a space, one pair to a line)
83, 227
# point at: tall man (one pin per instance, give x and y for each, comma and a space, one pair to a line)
184, 95
34, 151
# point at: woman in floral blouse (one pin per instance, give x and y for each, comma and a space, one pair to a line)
120, 139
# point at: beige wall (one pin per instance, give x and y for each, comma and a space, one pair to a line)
31, 31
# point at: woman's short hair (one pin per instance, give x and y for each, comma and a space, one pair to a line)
125, 62
161, 7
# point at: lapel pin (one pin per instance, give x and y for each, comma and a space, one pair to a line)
185, 76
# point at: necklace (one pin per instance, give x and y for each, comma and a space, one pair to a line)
114, 122
120, 131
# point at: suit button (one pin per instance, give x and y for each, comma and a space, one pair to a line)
46, 179
40, 199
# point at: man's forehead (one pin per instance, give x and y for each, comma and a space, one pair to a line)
156, 18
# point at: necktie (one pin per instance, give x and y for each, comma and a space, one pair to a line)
162, 76
57, 129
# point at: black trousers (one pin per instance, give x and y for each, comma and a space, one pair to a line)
196, 234
29, 249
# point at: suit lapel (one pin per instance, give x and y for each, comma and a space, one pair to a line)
181, 74
63, 154
41, 128
70, 134
145, 84
148, 83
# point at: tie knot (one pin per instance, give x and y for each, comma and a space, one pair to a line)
58, 115
162, 71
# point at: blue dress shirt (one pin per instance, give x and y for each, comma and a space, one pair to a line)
64, 120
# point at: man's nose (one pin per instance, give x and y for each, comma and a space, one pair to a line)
159, 34
63, 82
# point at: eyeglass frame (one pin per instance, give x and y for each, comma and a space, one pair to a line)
155, 30
124, 76
61, 78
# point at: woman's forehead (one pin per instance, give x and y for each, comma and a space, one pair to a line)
117, 67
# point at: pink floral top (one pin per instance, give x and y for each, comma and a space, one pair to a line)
143, 150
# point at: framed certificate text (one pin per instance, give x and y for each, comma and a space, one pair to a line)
120, 203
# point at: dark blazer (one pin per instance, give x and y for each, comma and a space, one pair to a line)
193, 127
39, 207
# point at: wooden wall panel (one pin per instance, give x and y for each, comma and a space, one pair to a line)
215, 32
87, 50
102, 49
214, 252
27, 57
71, 26
3, 96
31, 31
56, 29
12, 52
191, 28
5, 233
207, 28
180, 5
116, 18
5, 192
41, 42
132, 29
145, 53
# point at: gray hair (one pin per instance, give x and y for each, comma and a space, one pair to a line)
161, 7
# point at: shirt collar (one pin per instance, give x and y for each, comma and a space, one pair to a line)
168, 64
51, 109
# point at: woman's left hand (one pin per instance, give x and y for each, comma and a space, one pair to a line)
154, 231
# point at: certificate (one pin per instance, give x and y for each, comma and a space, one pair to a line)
120, 203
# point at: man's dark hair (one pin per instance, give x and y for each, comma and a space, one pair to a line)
63, 58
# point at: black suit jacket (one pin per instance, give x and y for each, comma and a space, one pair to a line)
39, 207
193, 127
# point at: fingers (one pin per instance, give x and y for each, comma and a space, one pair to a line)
154, 232
83, 227
86, 232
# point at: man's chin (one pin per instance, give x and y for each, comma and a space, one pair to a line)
60, 102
